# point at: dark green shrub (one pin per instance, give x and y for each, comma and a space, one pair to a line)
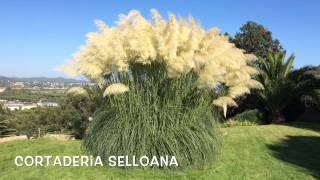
5, 130
246, 118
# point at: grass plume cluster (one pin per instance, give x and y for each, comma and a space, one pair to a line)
180, 43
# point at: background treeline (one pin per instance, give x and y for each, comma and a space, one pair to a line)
27, 95
289, 94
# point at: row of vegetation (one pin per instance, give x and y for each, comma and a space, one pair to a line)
288, 93
70, 117
27, 95
164, 86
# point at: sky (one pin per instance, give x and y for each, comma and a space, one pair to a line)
37, 36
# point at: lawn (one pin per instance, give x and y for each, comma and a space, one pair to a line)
252, 152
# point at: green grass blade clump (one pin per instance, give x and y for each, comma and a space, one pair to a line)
158, 116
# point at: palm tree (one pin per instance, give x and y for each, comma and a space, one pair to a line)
278, 88
284, 86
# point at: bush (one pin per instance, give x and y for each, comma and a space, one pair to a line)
247, 118
5, 130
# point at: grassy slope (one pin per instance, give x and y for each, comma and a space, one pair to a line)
256, 152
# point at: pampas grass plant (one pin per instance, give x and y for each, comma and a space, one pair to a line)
161, 80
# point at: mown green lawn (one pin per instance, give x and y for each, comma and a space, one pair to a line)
255, 152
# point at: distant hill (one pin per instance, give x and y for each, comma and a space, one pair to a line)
42, 79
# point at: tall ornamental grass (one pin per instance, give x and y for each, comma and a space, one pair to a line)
161, 80
157, 117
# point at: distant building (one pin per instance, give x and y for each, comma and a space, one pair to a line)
18, 84
14, 105
19, 106
47, 104
3, 101
28, 106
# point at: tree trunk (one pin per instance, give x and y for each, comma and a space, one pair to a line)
278, 118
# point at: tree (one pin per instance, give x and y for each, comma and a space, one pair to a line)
73, 121
285, 88
5, 129
83, 102
256, 39
278, 88
307, 82
307, 91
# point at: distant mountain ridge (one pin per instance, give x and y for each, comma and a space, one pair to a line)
42, 79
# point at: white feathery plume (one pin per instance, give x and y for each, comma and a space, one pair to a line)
115, 89
182, 44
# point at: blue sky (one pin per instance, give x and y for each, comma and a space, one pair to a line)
37, 36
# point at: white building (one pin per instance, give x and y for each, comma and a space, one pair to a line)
14, 105
19, 106
47, 104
